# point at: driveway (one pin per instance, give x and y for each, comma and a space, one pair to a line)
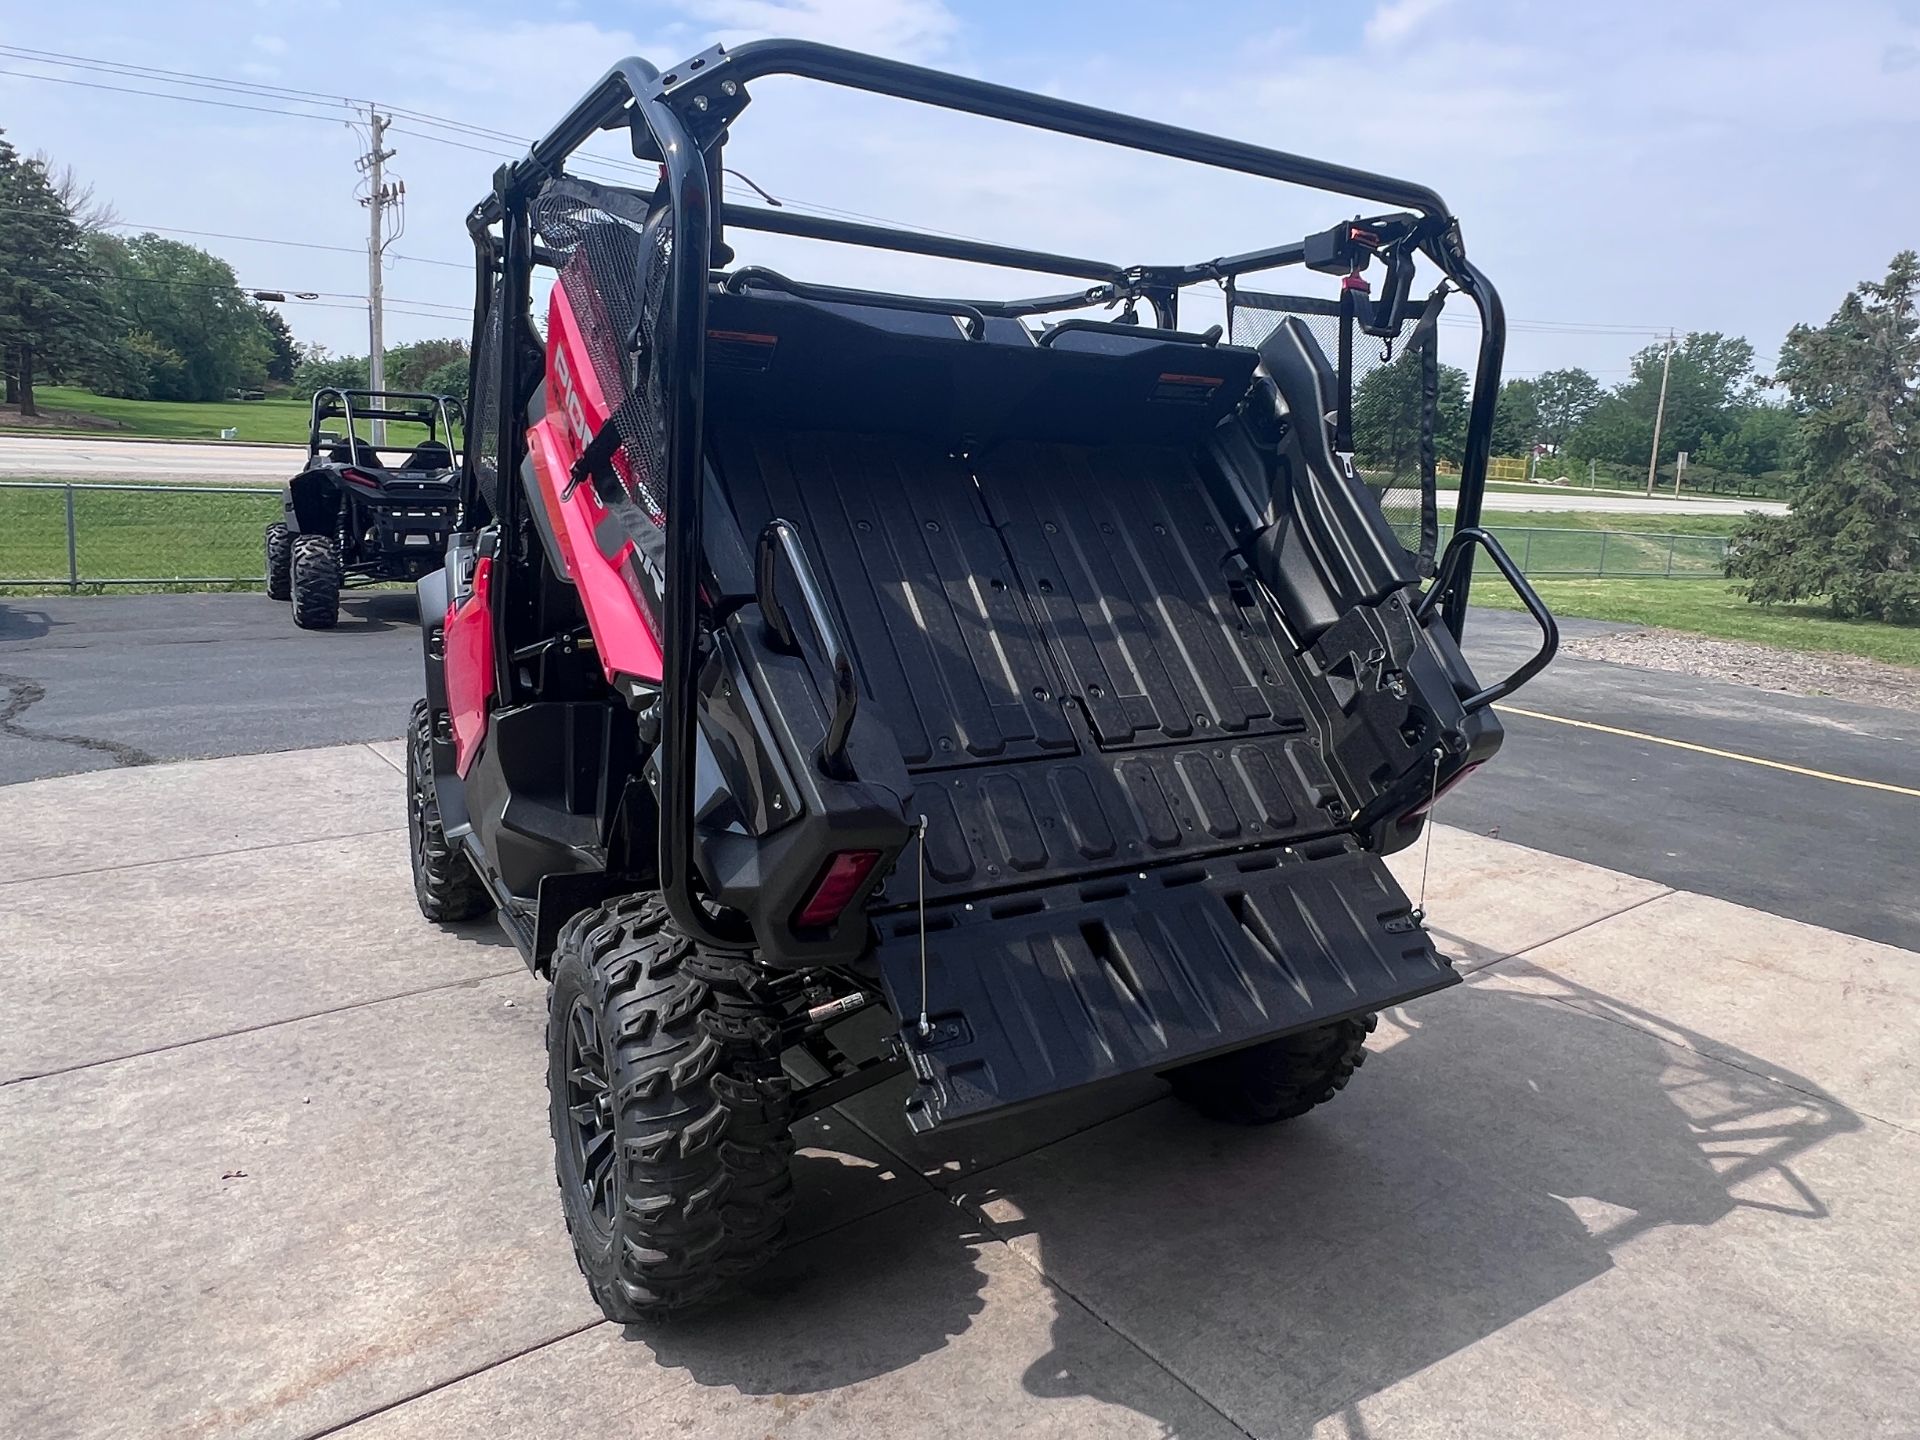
277, 1165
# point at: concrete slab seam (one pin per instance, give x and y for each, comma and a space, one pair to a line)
383, 759
203, 855
1086, 1309
453, 1380
1486, 965
465, 980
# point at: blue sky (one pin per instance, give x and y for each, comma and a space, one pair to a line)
1699, 164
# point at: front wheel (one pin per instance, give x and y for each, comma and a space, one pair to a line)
672, 1122
279, 562
444, 881
1277, 1079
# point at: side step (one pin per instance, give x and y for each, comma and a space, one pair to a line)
1036, 994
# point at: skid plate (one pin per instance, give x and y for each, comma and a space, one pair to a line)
1039, 993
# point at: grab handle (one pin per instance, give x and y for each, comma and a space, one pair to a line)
778, 539
1458, 549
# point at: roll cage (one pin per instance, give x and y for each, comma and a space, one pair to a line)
681, 120
436, 412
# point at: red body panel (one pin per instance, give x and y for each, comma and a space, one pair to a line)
469, 652
624, 632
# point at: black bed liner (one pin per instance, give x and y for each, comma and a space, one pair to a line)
1075, 688
1133, 855
1055, 990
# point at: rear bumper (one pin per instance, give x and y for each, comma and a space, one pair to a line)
1046, 992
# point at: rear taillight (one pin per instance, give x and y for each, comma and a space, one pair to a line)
360, 478
840, 880
1427, 804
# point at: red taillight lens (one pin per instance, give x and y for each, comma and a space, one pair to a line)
840, 880
360, 478
1425, 805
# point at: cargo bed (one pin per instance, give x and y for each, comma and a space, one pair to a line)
1134, 850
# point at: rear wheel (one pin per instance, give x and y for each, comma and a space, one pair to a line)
315, 585
444, 881
1279, 1079
672, 1122
279, 562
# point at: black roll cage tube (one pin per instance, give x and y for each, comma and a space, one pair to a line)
680, 119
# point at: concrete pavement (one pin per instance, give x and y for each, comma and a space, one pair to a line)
32, 457
278, 1166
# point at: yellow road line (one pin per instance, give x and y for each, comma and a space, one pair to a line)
1709, 750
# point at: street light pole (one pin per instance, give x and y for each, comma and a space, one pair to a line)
1660, 413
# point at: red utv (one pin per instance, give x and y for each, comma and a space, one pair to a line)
1056, 684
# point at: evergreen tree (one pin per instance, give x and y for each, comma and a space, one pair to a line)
52, 316
1853, 534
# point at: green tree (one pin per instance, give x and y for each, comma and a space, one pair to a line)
286, 354
188, 301
52, 316
1565, 398
1710, 375
1516, 418
1387, 413
1761, 441
1853, 534
319, 369
448, 379
408, 365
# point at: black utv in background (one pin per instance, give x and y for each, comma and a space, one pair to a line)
366, 507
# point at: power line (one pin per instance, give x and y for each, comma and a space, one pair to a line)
224, 85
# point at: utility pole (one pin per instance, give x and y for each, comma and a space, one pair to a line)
1660, 413
380, 197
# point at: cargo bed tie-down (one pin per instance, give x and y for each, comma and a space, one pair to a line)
1134, 855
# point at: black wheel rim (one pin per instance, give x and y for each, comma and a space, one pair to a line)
589, 1116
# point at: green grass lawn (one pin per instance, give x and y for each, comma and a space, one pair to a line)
126, 535
258, 421
1713, 607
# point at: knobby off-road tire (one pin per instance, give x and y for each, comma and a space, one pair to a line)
279, 562
316, 582
444, 881
672, 1121
1278, 1080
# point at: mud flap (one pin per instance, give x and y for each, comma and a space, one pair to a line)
1046, 992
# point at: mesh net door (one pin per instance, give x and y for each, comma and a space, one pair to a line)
1395, 400
614, 250
483, 424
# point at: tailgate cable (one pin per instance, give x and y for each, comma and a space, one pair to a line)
926, 1026
1426, 847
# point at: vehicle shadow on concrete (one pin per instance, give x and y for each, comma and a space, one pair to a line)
1492, 1157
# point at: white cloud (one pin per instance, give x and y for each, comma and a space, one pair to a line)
270, 44
901, 29
1395, 21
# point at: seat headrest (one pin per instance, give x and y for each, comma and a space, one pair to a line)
1307, 385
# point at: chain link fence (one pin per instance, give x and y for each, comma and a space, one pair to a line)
74, 537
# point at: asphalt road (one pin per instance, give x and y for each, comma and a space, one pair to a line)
1560, 501
96, 683
30, 457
